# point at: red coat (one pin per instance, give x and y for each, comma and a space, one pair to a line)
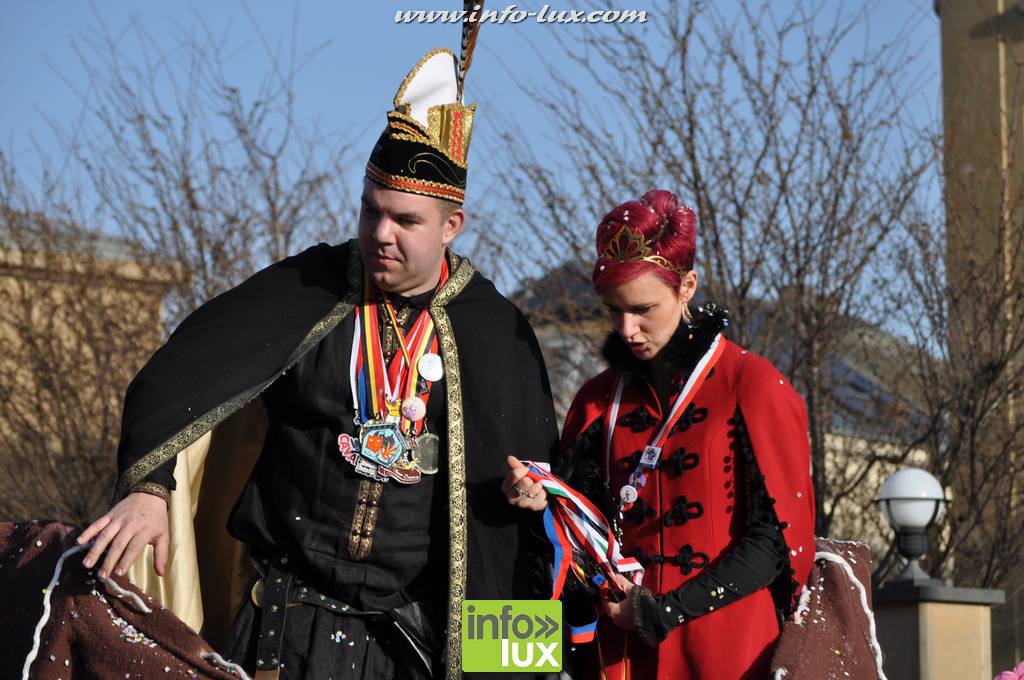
737, 640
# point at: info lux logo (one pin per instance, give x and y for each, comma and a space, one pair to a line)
511, 635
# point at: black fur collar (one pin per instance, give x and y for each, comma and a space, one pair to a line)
684, 349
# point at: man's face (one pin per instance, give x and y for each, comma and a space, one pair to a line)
402, 238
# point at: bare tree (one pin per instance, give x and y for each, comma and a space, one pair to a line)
192, 171
78, 317
173, 186
800, 167
960, 295
963, 301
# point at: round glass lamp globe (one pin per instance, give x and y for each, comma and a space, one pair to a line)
911, 499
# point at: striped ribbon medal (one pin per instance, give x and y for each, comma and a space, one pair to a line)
393, 443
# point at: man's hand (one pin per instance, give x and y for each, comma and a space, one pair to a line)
520, 490
138, 520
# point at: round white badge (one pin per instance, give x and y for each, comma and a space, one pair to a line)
414, 409
628, 494
430, 367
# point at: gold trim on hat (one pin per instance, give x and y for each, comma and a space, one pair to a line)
401, 117
441, 133
450, 127
398, 103
447, 192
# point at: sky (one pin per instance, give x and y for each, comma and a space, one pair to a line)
357, 56
348, 83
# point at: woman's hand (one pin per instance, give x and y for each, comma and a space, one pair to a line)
520, 490
621, 613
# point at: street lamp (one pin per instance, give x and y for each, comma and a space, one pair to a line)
911, 501
922, 640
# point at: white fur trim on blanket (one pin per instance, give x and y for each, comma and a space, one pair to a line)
46, 607
225, 665
873, 638
126, 594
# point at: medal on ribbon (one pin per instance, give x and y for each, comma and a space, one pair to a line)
651, 456
391, 397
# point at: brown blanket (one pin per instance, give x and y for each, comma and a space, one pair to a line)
91, 629
832, 633
94, 631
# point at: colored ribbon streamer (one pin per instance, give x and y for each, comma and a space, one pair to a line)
576, 527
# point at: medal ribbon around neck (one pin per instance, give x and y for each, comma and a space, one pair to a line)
373, 387
652, 452
576, 527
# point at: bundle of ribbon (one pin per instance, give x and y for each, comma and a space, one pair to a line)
581, 537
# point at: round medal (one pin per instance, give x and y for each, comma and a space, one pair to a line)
414, 409
628, 494
428, 454
430, 367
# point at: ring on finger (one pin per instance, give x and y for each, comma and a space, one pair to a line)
519, 492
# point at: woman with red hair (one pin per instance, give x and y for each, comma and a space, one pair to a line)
697, 451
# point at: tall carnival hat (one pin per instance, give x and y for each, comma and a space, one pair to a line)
424, 148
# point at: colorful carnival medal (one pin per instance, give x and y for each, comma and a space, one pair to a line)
393, 442
651, 456
420, 353
584, 545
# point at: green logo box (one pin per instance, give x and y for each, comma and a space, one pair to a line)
511, 636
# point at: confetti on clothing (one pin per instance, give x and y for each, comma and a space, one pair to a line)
87, 627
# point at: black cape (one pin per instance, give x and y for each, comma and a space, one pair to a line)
231, 349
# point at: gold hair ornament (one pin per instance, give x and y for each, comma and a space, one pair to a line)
629, 246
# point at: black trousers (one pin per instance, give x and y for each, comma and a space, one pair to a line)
319, 643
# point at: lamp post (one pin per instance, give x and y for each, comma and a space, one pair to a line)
928, 630
911, 501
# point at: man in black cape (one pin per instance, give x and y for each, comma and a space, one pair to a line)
362, 566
